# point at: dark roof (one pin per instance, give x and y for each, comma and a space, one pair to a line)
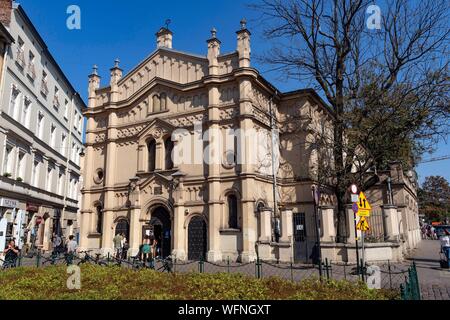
49, 55
5, 35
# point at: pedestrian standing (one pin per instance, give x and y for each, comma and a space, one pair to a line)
11, 254
146, 250
125, 247
117, 244
72, 247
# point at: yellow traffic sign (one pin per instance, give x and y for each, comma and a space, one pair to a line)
363, 205
362, 225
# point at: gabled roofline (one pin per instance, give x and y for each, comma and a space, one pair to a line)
47, 52
154, 53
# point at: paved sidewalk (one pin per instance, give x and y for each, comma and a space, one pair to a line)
434, 281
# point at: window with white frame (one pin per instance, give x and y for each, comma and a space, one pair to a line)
20, 172
70, 194
74, 152
64, 144
80, 123
48, 180
7, 161
75, 120
66, 109
56, 98
14, 104
60, 188
40, 125
35, 173
44, 84
77, 156
53, 136
20, 58
31, 68
25, 118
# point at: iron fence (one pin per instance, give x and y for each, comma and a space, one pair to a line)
376, 229
397, 277
410, 290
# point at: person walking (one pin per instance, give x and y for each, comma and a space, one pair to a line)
72, 247
146, 250
445, 247
117, 245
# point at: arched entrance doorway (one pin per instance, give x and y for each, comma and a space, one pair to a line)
123, 227
160, 228
197, 239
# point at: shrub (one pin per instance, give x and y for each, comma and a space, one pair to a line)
110, 283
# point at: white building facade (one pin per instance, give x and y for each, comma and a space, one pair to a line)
41, 128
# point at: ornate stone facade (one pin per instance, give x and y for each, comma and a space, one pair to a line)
215, 211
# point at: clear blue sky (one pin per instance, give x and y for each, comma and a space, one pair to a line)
126, 30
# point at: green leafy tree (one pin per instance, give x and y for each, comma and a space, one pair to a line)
434, 198
388, 88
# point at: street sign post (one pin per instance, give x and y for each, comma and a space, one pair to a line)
363, 205
364, 209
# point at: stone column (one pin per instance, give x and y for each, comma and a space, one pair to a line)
84, 229
264, 248
328, 227
286, 225
245, 165
135, 231
351, 225
214, 151
179, 231
391, 223
265, 225
179, 234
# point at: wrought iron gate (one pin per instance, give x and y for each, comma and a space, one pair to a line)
197, 239
304, 237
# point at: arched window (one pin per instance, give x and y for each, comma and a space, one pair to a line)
99, 226
156, 103
232, 212
168, 146
163, 101
151, 147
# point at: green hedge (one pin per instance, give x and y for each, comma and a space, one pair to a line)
108, 283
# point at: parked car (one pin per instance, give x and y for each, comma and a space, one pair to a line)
440, 230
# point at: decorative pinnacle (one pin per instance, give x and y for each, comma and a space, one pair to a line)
243, 24
116, 63
168, 21
213, 33
95, 69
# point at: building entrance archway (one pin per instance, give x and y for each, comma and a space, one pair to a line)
160, 228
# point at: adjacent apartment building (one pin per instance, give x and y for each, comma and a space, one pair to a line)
41, 127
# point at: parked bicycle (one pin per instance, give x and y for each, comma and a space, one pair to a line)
88, 258
8, 263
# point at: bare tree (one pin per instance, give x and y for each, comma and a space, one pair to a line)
388, 88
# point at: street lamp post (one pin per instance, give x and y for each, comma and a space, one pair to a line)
316, 197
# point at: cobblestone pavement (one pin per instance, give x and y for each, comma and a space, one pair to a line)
434, 281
